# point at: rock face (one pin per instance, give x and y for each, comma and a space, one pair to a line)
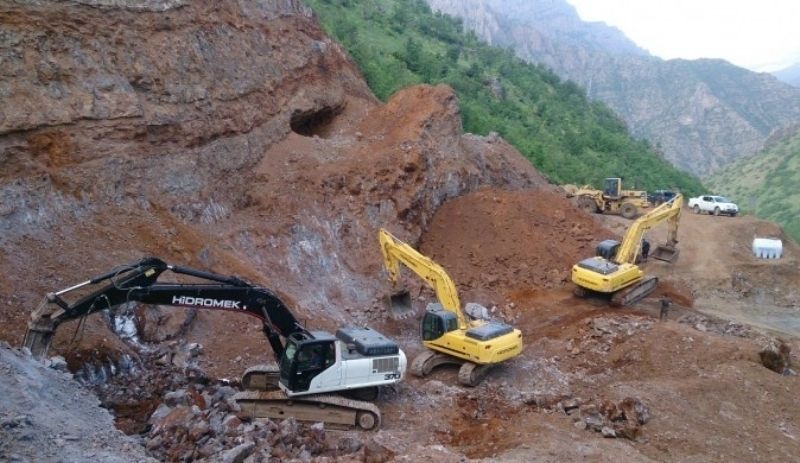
47, 416
703, 114
232, 136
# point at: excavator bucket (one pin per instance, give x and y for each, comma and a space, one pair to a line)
399, 304
665, 253
41, 328
38, 342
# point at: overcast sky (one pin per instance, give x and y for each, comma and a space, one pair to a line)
761, 35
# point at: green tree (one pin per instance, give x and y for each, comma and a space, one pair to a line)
551, 122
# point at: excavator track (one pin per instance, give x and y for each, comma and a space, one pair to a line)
332, 410
471, 374
261, 378
635, 293
425, 362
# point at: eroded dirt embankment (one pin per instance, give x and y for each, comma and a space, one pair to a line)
46, 416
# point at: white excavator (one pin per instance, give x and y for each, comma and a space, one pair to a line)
319, 377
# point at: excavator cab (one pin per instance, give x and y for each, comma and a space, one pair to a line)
304, 358
437, 322
607, 249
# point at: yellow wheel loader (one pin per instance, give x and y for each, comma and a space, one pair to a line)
612, 199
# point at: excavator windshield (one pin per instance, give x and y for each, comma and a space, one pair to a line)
304, 357
438, 322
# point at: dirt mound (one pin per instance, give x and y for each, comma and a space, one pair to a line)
493, 241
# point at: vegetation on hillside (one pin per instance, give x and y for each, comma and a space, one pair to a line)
765, 184
398, 43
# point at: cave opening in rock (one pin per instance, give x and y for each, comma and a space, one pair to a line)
317, 122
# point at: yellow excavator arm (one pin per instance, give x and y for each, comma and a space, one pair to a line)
396, 252
630, 247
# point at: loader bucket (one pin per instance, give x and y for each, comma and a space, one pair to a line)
400, 304
665, 253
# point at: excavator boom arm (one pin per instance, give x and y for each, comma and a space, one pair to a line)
630, 246
396, 252
138, 283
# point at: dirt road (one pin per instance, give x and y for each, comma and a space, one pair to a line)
717, 268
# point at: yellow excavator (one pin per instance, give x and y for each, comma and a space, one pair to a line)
477, 345
614, 270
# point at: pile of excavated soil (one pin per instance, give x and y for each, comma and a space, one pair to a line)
494, 241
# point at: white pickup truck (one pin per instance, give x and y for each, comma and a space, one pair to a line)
713, 205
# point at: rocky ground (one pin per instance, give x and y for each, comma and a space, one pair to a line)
589, 374
237, 138
47, 416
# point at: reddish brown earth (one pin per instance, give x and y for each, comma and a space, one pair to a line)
516, 240
697, 372
277, 165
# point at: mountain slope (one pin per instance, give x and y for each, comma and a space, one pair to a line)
235, 137
766, 184
790, 75
703, 114
564, 135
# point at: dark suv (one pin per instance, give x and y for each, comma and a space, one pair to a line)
660, 196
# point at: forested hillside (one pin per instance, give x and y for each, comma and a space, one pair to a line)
701, 114
767, 184
397, 43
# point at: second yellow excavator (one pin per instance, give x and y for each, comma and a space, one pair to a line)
476, 345
614, 269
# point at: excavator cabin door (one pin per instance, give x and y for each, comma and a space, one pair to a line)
437, 323
302, 363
